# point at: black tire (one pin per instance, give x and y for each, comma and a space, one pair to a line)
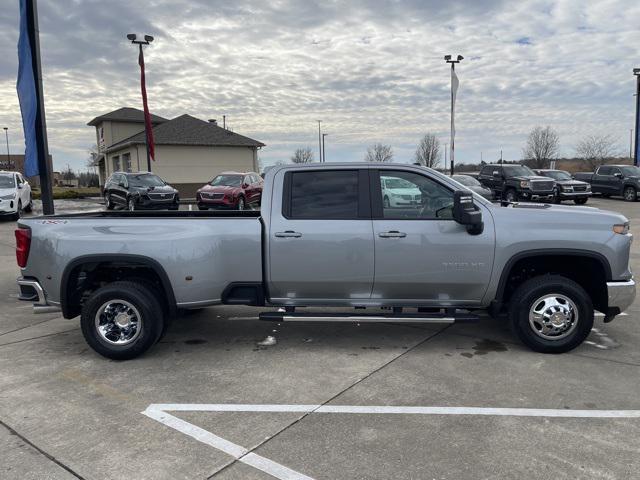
18, 214
581, 201
556, 196
241, 203
29, 206
151, 321
386, 203
511, 195
202, 208
131, 204
108, 202
530, 293
630, 194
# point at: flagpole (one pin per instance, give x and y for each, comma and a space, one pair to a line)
29, 9
449, 59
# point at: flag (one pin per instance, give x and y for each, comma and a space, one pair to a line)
147, 116
27, 94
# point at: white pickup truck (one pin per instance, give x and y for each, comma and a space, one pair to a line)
326, 238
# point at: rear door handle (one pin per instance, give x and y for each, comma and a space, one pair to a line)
288, 234
392, 234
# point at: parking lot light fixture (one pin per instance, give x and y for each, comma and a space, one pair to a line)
324, 153
6, 134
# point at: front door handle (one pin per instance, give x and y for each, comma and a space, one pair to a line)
288, 234
392, 234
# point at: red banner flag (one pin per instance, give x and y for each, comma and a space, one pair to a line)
147, 116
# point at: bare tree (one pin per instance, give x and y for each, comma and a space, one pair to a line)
92, 159
379, 153
428, 152
302, 155
596, 149
542, 145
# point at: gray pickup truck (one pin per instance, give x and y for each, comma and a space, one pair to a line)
607, 180
326, 238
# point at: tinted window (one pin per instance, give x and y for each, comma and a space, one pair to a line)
631, 171
604, 171
324, 195
407, 195
466, 180
145, 180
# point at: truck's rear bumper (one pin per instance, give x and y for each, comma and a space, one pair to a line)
621, 294
32, 291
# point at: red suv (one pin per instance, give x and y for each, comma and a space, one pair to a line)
231, 190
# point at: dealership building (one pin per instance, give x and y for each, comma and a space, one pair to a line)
188, 151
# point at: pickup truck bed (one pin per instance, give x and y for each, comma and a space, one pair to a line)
325, 238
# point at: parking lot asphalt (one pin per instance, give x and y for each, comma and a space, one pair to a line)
66, 412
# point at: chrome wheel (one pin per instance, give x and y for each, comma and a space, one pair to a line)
132, 205
386, 202
241, 204
118, 322
629, 194
553, 316
511, 196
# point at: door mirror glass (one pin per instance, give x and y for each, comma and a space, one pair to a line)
618, 175
465, 212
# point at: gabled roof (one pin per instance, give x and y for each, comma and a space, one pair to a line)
188, 130
126, 114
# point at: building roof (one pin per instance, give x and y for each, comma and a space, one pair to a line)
126, 114
188, 130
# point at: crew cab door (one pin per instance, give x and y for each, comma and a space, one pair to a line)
423, 256
320, 239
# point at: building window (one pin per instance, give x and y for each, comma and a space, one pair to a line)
116, 163
126, 162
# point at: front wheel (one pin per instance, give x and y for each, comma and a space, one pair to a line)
29, 206
630, 194
551, 314
108, 202
18, 214
241, 203
131, 205
122, 320
581, 201
556, 196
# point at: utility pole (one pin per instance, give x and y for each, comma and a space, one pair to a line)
501, 157
454, 89
631, 143
6, 134
319, 142
636, 159
324, 152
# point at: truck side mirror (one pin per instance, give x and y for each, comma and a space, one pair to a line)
496, 174
465, 212
617, 174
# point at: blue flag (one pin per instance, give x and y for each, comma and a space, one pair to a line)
27, 95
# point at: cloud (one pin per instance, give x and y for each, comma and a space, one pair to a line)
371, 70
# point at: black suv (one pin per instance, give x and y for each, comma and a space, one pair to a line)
567, 188
516, 182
139, 191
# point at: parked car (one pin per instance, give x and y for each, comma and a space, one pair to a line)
15, 195
474, 185
397, 192
324, 238
140, 191
516, 182
623, 180
567, 188
231, 190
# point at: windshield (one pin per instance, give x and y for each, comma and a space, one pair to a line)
630, 171
398, 183
7, 181
517, 171
145, 180
227, 181
466, 180
557, 175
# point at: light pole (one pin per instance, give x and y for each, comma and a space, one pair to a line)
147, 39
319, 142
454, 89
324, 152
636, 159
631, 143
6, 134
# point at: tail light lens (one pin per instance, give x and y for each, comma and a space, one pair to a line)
23, 244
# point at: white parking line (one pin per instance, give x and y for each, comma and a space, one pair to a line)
158, 412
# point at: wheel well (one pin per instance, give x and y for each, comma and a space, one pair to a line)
82, 279
588, 272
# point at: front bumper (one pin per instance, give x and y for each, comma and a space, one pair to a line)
32, 291
8, 207
621, 294
529, 195
574, 195
145, 204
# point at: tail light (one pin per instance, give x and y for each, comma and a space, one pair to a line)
23, 244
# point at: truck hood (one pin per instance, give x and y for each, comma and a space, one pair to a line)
531, 216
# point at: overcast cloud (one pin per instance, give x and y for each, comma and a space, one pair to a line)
371, 70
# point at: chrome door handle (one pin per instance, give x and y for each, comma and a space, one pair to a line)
288, 234
392, 234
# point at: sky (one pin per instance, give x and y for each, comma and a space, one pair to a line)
372, 71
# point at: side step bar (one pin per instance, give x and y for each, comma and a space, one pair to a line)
368, 318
